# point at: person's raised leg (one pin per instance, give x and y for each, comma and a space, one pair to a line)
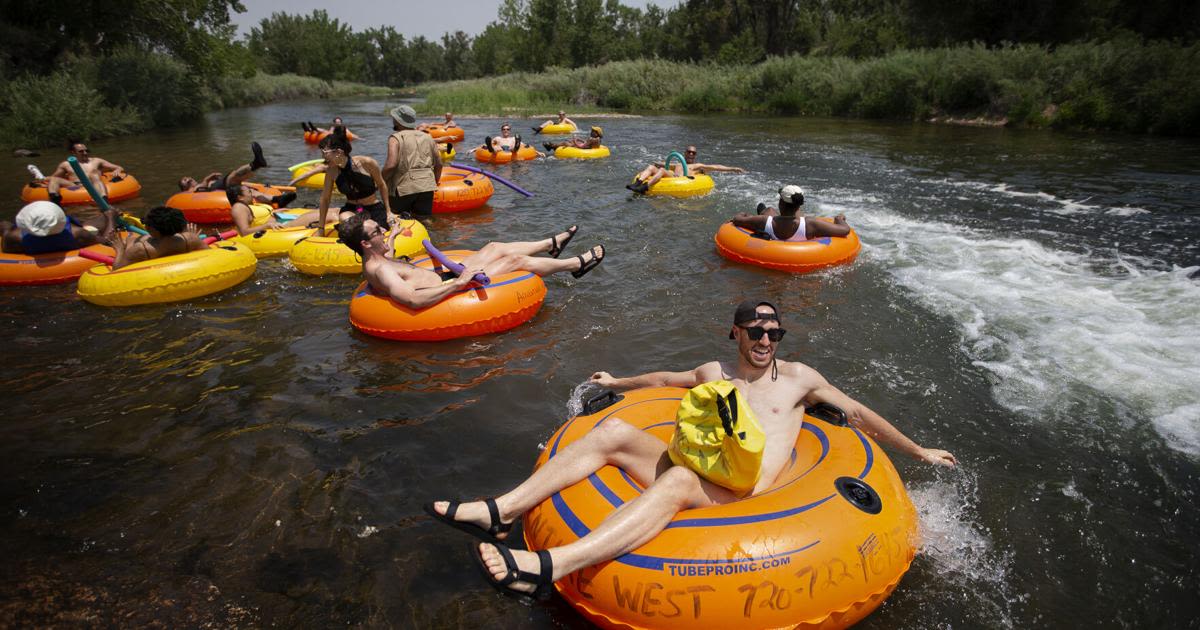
636, 523
238, 175
613, 442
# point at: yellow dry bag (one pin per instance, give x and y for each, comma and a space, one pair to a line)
717, 435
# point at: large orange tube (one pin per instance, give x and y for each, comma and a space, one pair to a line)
526, 152
509, 301
460, 189
821, 549
127, 187
211, 206
740, 245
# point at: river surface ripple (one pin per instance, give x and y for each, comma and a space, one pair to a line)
1023, 299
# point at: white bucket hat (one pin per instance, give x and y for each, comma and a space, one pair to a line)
42, 218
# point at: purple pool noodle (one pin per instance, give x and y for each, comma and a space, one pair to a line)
441, 259
493, 176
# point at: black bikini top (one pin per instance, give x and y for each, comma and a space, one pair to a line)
353, 184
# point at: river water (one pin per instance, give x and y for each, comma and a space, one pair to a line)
1022, 299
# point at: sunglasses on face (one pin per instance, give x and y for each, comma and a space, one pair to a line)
756, 332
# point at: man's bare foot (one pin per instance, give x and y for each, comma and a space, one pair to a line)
526, 561
475, 513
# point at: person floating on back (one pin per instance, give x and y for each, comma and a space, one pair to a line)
416, 287
220, 181
785, 224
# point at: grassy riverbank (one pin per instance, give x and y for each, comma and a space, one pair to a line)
123, 94
1118, 85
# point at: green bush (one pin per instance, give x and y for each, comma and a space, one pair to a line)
45, 111
161, 87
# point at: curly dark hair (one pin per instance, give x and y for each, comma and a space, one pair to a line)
166, 221
352, 233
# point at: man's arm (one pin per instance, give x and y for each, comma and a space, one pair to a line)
876, 426
388, 280
63, 171
717, 168
106, 166
393, 158
651, 379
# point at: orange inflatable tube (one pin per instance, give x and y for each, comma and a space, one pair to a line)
739, 245
314, 137
127, 187
460, 189
211, 206
526, 152
440, 133
509, 301
52, 268
821, 549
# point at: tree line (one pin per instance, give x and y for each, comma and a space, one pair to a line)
534, 35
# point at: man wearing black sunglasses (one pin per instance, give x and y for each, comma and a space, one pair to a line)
778, 392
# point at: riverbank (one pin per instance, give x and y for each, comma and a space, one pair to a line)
115, 97
1121, 85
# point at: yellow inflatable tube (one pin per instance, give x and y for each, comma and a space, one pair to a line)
316, 181
559, 128
169, 279
689, 186
319, 255
575, 153
822, 548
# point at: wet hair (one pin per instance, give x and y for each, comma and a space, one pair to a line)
337, 140
71, 142
337, 120
233, 192
352, 233
166, 221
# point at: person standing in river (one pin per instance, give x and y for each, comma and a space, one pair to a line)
413, 166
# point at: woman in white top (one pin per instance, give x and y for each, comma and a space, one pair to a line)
785, 225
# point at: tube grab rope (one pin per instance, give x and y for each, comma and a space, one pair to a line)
104, 207
493, 176
678, 156
440, 260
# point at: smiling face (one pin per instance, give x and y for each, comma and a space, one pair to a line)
505, 130
759, 353
689, 154
80, 151
375, 238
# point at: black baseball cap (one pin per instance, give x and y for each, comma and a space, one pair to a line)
748, 311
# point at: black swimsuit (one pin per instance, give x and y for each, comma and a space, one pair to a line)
360, 186
354, 185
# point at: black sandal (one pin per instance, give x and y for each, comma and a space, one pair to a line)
586, 266
555, 248
487, 535
543, 580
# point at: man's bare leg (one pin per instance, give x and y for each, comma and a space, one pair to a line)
613, 442
630, 527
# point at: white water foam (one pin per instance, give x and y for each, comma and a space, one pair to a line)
960, 549
1054, 204
1045, 322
